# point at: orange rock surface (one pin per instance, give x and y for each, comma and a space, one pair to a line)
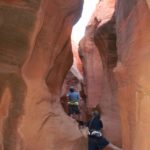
133, 72
35, 56
98, 53
123, 43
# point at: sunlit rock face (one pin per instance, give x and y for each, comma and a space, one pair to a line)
35, 55
132, 72
99, 55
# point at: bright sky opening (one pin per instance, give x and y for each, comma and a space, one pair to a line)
79, 28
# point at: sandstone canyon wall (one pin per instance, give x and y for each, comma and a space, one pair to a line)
98, 53
122, 71
133, 71
35, 56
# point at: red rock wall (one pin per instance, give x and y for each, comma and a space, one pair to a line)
123, 42
100, 38
133, 72
34, 59
92, 67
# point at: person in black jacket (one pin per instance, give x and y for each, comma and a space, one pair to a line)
96, 141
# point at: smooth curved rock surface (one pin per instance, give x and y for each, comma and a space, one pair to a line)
132, 72
99, 55
34, 46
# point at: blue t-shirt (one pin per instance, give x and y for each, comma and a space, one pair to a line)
73, 96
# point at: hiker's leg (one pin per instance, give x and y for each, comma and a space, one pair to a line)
91, 144
76, 113
114, 147
102, 143
71, 112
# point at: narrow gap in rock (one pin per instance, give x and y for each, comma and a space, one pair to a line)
95, 57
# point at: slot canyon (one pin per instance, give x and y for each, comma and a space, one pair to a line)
39, 62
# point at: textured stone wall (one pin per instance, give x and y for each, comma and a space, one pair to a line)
132, 72
35, 56
99, 55
122, 39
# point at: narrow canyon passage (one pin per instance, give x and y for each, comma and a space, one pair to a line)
109, 66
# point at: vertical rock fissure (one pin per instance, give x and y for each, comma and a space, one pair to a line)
105, 39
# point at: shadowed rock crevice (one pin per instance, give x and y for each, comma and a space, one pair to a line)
105, 39
54, 81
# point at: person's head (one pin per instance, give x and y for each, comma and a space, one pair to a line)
95, 113
71, 89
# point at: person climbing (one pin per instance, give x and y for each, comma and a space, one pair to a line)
96, 140
73, 102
